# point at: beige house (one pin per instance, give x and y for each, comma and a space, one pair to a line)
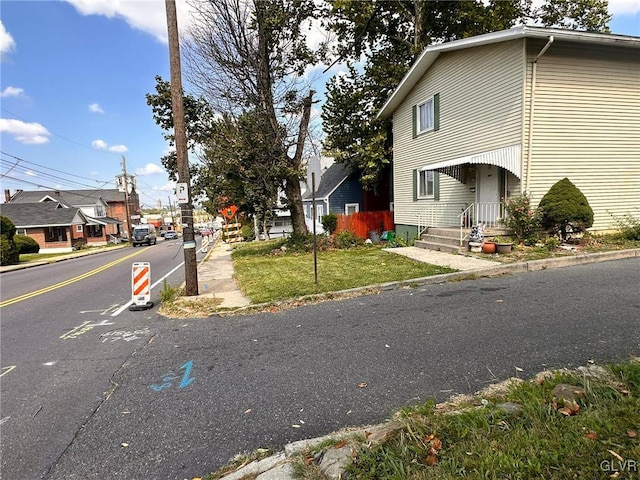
481, 119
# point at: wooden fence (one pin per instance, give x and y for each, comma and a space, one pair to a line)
362, 223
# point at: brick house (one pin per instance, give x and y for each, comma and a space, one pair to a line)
105, 210
57, 229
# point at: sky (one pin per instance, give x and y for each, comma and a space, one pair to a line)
73, 80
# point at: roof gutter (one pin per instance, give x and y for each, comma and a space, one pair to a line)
531, 108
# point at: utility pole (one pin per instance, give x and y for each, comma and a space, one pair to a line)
126, 198
188, 238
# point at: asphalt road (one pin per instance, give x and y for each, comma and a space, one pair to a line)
201, 391
53, 380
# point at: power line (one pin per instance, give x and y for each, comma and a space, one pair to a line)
47, 176
53, 169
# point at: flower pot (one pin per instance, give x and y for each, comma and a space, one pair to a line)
504, 247
489, 247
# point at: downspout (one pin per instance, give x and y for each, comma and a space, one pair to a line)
531, 108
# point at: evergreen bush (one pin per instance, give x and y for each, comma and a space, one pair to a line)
26, 244
9, 254
330, 223
564, 210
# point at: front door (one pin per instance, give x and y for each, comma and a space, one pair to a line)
488, 194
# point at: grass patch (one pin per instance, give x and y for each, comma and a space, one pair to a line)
487, 441
267, 275
175, 305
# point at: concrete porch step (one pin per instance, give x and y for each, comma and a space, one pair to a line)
441, 239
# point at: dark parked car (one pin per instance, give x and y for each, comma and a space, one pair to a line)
170, 235
143, 233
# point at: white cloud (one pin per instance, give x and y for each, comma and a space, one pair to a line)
30, 173
99, 144
7, 43
29, 133
118, 148
616, 7
146, 15
95, 108
102, 145
149, 169
11, 92
167, 187
624, 7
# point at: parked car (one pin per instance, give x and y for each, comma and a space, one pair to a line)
170, 235
205, 232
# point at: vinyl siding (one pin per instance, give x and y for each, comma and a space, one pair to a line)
480, 110
587, 125
349, 191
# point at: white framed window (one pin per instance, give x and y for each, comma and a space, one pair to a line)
351, 208
319, 213
426, 184
425, 116
78, 228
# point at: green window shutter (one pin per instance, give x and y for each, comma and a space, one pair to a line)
436, 111
414, 112
415, 185
436, 186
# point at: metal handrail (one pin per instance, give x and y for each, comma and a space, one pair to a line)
439, 215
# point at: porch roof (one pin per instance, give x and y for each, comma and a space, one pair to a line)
507, 158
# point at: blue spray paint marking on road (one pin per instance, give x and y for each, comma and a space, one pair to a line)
186, 380
167, 380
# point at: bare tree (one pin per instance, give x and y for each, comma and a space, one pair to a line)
250, 55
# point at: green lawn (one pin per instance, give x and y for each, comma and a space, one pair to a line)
265, 276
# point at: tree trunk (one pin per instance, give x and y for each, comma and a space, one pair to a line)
294, 199
292, 188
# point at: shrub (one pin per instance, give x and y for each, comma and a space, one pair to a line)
521, 218
330, 223
565, 210
348, 239
248, 233
304, 243
9, 254
551, 243
26, 244
629, 227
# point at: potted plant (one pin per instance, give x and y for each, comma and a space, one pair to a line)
503, 244
489, 246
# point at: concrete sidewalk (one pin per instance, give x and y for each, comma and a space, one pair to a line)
442, 259
215, 277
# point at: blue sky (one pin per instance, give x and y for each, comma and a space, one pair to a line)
74, 75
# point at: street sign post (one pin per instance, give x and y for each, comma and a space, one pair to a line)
182, 192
